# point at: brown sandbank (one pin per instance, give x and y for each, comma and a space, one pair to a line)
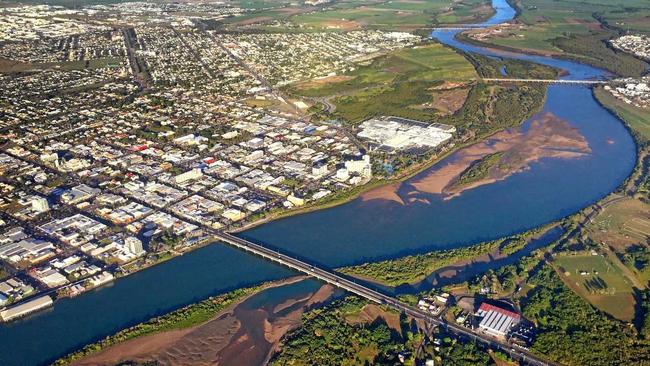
547, 137
237, 336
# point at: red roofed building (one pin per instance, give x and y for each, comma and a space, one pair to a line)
495, 320
139, 148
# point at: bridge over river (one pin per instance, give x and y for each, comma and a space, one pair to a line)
361, 290
548, 81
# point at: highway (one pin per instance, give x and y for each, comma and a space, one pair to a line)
375, 296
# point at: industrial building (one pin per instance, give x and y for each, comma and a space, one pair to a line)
25, 308
496, 321
400, 134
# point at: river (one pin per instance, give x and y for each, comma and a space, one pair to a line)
357, 231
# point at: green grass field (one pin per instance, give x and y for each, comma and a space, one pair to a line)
599, 281
622, 224
395, 84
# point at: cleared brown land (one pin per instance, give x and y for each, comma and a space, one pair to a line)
449, 101
341, 24
7, 65
624, 223
316, 83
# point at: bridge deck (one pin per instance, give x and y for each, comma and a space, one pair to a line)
372, 295
545, 81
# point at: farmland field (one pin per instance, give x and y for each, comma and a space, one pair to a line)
403, 15
622, 224
625, 228
599, 281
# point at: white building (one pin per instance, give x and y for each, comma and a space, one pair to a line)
188, 175
134, 246
361, 167
342, 175
39, 204
395, 134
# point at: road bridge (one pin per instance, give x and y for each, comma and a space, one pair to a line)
453, 28
545, 81
375, 296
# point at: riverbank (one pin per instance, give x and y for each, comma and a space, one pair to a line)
605, 53
636, 120
413, 269
165, 330
379, 184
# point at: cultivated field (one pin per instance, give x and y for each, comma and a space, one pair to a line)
622, 224
404, 15
599, 281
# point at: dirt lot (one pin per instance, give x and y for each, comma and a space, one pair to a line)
372, 312
449, 101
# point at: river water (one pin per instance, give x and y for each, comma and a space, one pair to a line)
354, 232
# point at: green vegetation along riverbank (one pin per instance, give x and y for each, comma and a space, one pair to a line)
572, 332
479, 170
573, 29
638, 119
352, 332
414, 268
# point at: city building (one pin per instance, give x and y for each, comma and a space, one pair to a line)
188, 175
393, 134
361, 166
25, 308
39, 204
134, 246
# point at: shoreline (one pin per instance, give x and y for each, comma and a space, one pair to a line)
562, 56
255, 289
493, 255
638, 142
357, 192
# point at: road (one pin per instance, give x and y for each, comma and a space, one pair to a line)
375, 296
546, 81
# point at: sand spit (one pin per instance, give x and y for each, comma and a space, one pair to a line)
547, 137
240, 335
387, 192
